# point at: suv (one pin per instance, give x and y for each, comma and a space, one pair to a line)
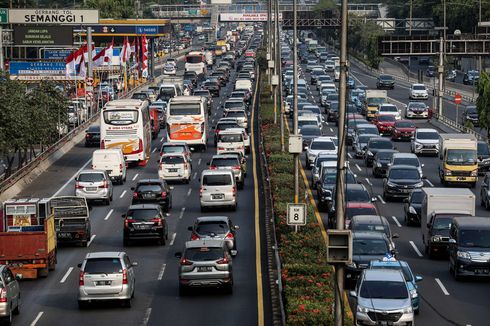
381, 161
373, 146
205, 263
10, 294
94, 185
425, 141
104, 276
218, 188
413, 207
470, 114
400, 181
145, 221
385, 81
154, 191
382, 298
229, 162
92, 136
318, 145
373, 223
175, 167
215, 228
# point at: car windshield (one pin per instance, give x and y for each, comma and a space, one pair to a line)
172, 159
397, 266
214, 227
404, 124
428, 135
173, 149
142, 214
416, 197
364, 139
404, 174
413, 161
370, 227
417, 105
323, 145
475, 238
102, 266
418, 87
461, 157
310, 132
185, 109
228, 125
201, 93
222, 162
150, 187
380, 144
373, 101
236, 114
383, 290
234, 138
386, 78
203, 254
388, 108
217, 180
386, 118
369, 247
471, 110
357, 195
384, 155
353, 211
442, 223
91, 177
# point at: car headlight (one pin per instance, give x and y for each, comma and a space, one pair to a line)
369, 153
391, 184
412, 210
362, 309
407, 310
435, 238
378, 164
463, 254
474, 173
447, 172
419, 184
413, 293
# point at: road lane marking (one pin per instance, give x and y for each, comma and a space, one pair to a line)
39, 315
199, 162
430, 183
396, 221
443, 288
195, 175
71, 179
181, 213
66, 275
162, 271
91, 240
349, 154
163, 138
381, 199
109, 214
417, 251
189, 192
173, 239
368, 181
135, 176
146, 319
358, 167
123, 193
331, 130
154, 150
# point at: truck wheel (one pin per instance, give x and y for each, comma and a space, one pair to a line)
85, 243
430, 252
43, 272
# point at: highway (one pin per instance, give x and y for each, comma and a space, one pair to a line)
53, 301
444, 301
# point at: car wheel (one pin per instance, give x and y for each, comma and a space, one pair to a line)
107, 201
203, 209
386, 197
161, 241
125, 242
241, 185
455, 273
183, 291
127, 303
82, 305
229, 288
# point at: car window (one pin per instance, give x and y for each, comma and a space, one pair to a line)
475, 238
380, 144
149, 187
399, 174
353, 211
172, 160
233, 138
427, 135
143, 214
370, 227
357, 195
217, 180
224, 162
208, 228
383, 290
404, 124
387, 118
102, 266
173, 149
323, 145
405, 270
416, 197
204, 254
369, 247
91, 177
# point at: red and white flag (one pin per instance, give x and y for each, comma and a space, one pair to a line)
132, 48
125, 51
144, 59
104, 57
72, 60
85, 51
82, 68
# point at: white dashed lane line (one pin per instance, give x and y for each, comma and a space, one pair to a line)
39, 315
162, 271
91, 240
109, 214
123, 193
443, 288
66, 275
396, 221
135, 176
381, 199
172, 240
417, 251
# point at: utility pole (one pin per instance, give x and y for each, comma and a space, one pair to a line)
269, 38
440, 70
274, 82
295, 98
340, 182
279, 73
90, 72
410, 33
2, 63
480, 61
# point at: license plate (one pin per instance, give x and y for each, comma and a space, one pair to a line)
386, 323
481, 271
148, 196
103, 282
91, 188
64, 235
172, 170
140, 226
217, 196
460, 178
204, 269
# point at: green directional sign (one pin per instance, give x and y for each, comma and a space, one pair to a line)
4, 15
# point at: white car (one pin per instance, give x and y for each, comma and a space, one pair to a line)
329, 65
175, 166
230, 140
418, 92
169, 69
389, 109
321, 144
425, 141
416, 110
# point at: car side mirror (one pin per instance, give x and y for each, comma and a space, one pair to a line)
189, 228
18, 277
352, 294
395, 235
452, 241
306, 148
418, 278
422, 165
236, 227
393, 252
178, 255
79, 265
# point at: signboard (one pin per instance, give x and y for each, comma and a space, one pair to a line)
4, 15
221, 2
53, 16
296, 214
31, 68
43, 36
245, 17
457, 98
59, 54
149, 30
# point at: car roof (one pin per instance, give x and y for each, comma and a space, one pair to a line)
475, 223
403, 167
174, 144
371, 219
218, 156
141, 181
212, 219
144, 206
105, 254
204, 243
216, 172
395, 263
411, 155
417, 84
426, 130
383, 275
91, 171
360, 205
368, 235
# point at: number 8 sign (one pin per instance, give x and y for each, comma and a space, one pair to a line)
296, 214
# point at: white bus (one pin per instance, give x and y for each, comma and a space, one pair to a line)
195, 61
126, 124
187, 120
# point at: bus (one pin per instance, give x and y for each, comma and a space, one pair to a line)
187, 120
195, 61
126, 124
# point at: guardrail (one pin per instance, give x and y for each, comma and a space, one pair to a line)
458, 127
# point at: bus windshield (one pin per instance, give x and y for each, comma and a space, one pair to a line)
185, 109
194, 59
121, 117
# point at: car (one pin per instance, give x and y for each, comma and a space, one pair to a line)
317, 145
425, 141
483, 152
381, 162
382, 297
308, 133
367, 128
485, 191
373, 223
330, 65
212, 86
333, 111
470, 114
384, 123
152, 191
413, 207
357, 208
406, 159
94, 185
317, 164
224, 124
390, 109
403, 130
104, 276
416, 110
92, 136
353, 193
315, 73
400, 181
360, 144
215, 228
175, 167
471, 77
206, 94
351, 83
240, 115
418, 92
431, 71
328, 183
352, 123
145, 222
205, 263
10, 294
374, 145
385, 81
229, 162
218, 189
176, 148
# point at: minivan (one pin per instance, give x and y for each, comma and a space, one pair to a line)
218, 189
230, 140
111, 160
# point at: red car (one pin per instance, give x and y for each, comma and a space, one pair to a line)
384, 123
403, 130
354, 208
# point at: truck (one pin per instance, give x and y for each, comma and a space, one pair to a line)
72, 220
374, 98
458, 159
439, 207
312, 44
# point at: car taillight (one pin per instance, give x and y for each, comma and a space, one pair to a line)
126, 223
81, 281
237, 167
120, 167
184, 261
212, 167
78, 186
157, 221
164, 194
135, 195
105, 184
229, 235
221, 148
194, 237
223, 261
234, 191
200, 191
88, 136
102, 145
125, 276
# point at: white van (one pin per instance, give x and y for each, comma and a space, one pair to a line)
230, 140
175, 166
110, 160
218, 189
243, 84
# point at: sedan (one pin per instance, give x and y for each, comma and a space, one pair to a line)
385, 81
470, 114
384, 123
413, 207
403, 130
418, 92
400, 181
309, 133
416, 110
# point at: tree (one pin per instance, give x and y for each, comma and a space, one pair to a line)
363, 40
325, 4
117, 9
483, 101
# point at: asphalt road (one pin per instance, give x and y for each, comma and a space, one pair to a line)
53, 301
444, 301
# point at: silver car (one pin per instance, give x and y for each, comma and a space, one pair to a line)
229, 162
106, 276
218, 189
205, 263
94, 185
10, 293
215, 228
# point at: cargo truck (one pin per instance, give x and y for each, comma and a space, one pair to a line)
374, 98
72, 222
459, 162
439, 207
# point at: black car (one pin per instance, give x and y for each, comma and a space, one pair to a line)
145, 222
373, 146
471, 77
470, 113
212, 86
140, 96
400, 181
333, 111
92, 136
483, 153
309, 133
431, 71
153, 191
326, 186
413, 207
380, 162
353, 193
385, 81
